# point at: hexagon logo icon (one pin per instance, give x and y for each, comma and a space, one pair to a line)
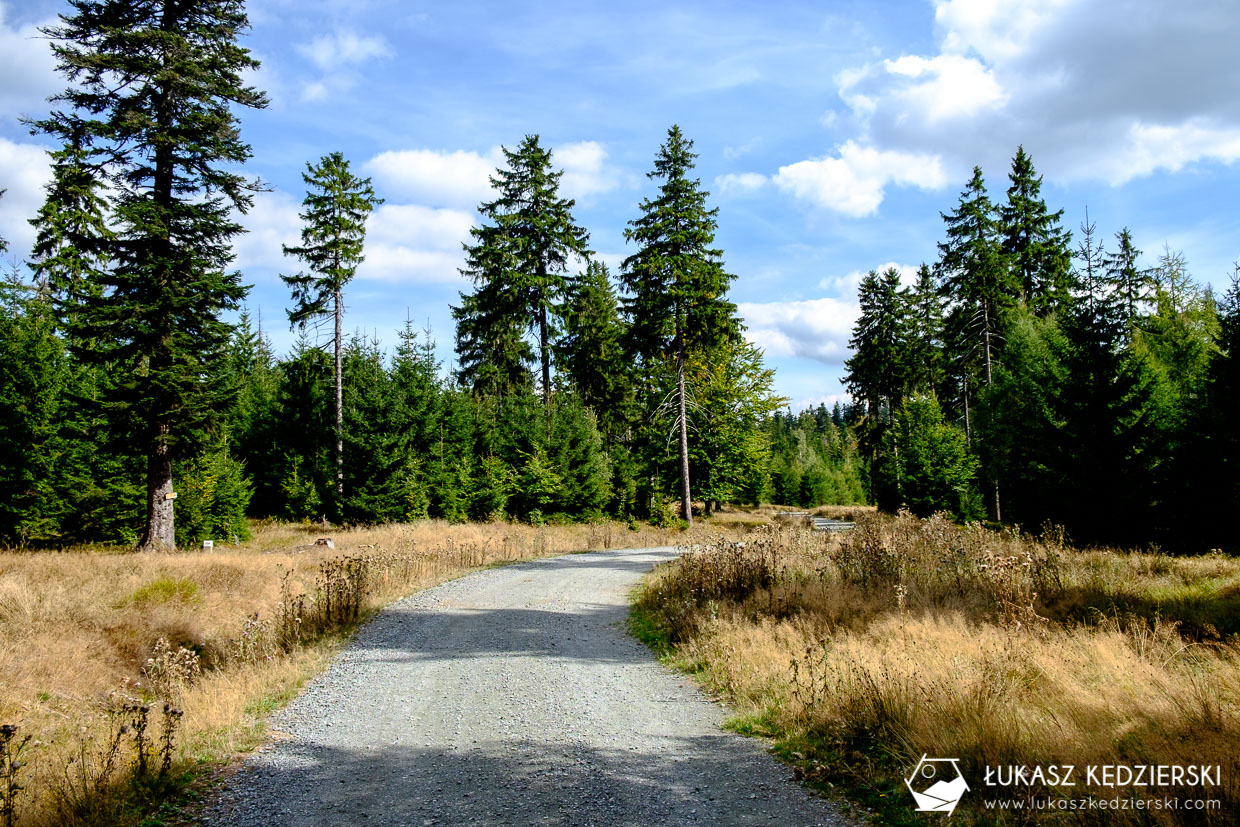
937, 784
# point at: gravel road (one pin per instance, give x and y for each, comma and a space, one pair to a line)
510, 696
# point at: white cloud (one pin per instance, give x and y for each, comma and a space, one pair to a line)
1091, 93
463, 179
413, 243
584, 171
944, 87
816, 329
995, 29
853, 182
740, 182
272, 222
847, 285
331, 52
27, 67
459, 179
337, 56
1152, 146
404, 242
24, 171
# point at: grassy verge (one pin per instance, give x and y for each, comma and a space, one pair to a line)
860, 654
126, 679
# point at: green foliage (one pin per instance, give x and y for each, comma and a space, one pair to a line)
518, 264
213, 494
35, 373
167, 144
814, 461
731, 391
930, 462
333, 235
675, 285
1037, 249
590, 354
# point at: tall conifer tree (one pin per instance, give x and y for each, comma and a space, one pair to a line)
519, 264
166, 140
1036, 247
332, 240
1130, 284
979, 289
591, 352
675, 282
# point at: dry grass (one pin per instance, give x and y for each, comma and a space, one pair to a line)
912, 637
208, 633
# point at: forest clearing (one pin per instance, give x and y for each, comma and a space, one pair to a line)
89, 638
863, 652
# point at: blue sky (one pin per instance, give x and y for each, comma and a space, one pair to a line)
831, 135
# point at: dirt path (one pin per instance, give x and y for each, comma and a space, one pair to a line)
511, 696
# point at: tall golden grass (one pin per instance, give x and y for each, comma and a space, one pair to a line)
861, 653
85, 633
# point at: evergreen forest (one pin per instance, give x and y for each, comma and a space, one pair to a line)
1029, 375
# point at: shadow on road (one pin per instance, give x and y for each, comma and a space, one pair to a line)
707, 780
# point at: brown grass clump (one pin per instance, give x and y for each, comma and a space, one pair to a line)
101, 652
908, 637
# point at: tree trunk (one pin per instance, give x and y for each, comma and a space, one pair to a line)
545, 354
339, 405
160, 529
682, 422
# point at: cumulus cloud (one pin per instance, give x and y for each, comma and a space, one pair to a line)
413, 243
462, 178
585, 173
407, 243
1090, 94
27, 66
740, 182
853, 181
848, 284
459, 178
24, 171
816, 329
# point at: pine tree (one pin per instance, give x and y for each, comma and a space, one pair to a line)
975, 281
166, 141
518, 264
732, 389
675, 283
337, 204
925, 357
979, 288
878, 373
72, 233
1130, 284
591, 351
1036, 247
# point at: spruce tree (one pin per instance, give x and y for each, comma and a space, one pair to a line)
337, 204
591, 352
926, 356
72, 232
518, 263
165, 140
878, 370
978, 285
1036, 247
675, 282
1130, 284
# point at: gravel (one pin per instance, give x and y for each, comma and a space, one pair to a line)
510, 696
